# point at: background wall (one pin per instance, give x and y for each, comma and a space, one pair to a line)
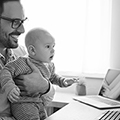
92, 87
115, 35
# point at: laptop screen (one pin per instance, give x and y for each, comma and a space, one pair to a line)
111, 85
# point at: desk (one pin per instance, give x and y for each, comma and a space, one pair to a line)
61, 99
76, 111
64, 96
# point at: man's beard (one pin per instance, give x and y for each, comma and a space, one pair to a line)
5, 40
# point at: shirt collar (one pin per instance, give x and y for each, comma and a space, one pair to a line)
35, 61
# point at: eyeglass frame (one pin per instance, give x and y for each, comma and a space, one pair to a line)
12, 20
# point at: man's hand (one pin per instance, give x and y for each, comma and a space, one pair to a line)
32, 83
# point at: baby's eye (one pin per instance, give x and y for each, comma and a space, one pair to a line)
48, 46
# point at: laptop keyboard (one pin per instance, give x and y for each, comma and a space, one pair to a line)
105, 100
110, 115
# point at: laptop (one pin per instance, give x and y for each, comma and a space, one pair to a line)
108, 92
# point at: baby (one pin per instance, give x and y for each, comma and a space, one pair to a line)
40, 47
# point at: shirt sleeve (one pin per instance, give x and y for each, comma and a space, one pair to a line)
56, 79
10, 71
6, 81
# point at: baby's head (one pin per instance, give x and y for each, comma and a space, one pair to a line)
40, 45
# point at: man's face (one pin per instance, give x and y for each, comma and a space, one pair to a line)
9, 35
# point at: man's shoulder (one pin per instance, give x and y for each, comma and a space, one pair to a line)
20, 51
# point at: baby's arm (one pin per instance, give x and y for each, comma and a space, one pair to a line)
62, 81
6, 81
8, 85
14, 94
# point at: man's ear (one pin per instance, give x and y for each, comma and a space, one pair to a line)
31, 50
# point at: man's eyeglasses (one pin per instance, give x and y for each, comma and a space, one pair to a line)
16, 22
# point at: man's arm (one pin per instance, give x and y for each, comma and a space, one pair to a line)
33, 82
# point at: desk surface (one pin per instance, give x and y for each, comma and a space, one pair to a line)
61, 99
76, 111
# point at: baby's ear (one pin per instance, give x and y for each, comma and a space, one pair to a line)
31, 50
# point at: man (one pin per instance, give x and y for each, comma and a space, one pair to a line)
11, 26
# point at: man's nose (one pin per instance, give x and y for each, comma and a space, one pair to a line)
21, 29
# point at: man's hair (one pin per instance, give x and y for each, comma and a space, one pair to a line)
4, 1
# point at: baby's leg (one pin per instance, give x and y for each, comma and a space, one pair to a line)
42, 111
25, 111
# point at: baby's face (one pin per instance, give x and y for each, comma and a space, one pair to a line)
45, 49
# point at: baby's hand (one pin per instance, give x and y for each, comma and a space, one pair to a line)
13, 96
68, 82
